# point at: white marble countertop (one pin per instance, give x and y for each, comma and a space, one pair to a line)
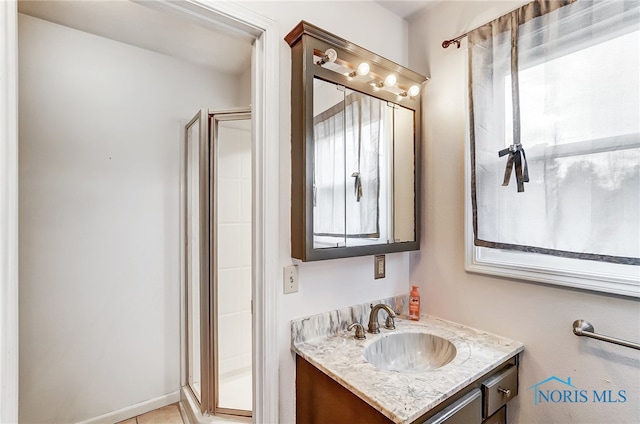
404, 397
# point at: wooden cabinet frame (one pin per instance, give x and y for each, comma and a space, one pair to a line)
305, 41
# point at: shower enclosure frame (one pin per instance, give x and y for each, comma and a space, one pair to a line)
208, 395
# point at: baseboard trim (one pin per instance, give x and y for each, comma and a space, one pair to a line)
135, 410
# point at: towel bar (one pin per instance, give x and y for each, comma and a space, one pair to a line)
584, 328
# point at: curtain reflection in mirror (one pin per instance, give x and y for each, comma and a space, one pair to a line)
347, 173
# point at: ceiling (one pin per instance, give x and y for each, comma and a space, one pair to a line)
151, 28
406, 8
146, 27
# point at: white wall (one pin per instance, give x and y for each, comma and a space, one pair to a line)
332, 284
100, 130
538, 315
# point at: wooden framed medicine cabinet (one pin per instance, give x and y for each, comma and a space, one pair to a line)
355, 149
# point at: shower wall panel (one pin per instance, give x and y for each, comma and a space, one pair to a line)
234, 250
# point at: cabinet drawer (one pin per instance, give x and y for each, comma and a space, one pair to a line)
499, 417
499, 389
466, 410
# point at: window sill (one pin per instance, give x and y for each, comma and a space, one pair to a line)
552, 270
603, 277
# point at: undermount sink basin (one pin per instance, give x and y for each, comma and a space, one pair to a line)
410, 352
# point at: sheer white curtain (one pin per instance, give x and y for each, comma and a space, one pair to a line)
364, 125
561, 81
329, 172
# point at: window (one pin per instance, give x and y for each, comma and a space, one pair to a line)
570, 98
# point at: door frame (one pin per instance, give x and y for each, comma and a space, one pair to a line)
9, 213
265, 104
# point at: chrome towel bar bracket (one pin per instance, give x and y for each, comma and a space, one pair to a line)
584, 328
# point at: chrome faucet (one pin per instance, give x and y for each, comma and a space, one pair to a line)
374, 327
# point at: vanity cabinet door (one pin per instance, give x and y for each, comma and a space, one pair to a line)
466, 410
321, 400
499, 417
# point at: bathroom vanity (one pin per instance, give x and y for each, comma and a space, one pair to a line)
468, 376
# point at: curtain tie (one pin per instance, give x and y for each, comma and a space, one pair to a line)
357, 185
518, 160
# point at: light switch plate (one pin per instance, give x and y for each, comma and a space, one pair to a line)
290, 279
379, 267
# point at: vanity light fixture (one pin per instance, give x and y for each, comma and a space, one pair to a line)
330, 55
390, 80
363, 70
329, 60
368, 72
413, 91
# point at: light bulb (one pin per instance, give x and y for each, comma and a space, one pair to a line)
390, 80
363, 69
330, 55
414, 90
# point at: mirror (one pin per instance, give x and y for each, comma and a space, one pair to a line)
363, 169
355, 132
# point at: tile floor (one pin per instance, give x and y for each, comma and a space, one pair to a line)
169, 414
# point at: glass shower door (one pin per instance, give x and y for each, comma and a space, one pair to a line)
232, 172
196, 249
218, 262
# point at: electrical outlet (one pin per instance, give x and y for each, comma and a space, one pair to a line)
290, 279
379, 267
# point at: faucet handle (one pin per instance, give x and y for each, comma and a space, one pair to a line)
389, 323
359, 330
